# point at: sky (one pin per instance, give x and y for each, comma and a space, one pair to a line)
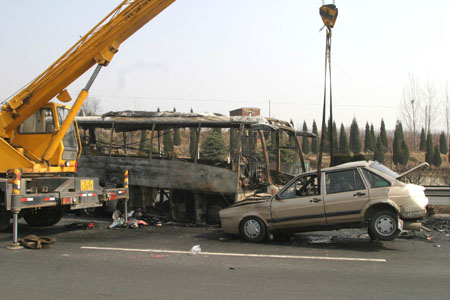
217, 55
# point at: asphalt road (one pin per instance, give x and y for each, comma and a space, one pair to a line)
157, 263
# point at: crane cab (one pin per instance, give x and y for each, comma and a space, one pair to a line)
35, 135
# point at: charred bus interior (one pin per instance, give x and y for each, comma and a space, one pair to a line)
185, 167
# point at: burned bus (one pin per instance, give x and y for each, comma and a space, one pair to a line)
190, 165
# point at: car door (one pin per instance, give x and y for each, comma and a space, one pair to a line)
299, 204
345, 196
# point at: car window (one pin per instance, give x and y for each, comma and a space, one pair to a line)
375, 180
343, 181
304, 186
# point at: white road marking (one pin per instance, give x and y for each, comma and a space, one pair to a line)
238, 254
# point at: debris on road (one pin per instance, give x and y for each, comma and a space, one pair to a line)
80, 225
34, 242
196, 249
119, 221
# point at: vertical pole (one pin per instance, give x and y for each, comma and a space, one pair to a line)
197, 145
16, 187
159, 143
150, 152
278, 151
266, 156
124, 135
239, 144
111, 139
15, 227
300, 153
15, 244
125, 185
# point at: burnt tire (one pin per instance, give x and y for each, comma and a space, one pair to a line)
252, 229
383, 226
46, 216
5, 218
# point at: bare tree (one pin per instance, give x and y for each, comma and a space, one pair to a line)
445, 101
90, 107
431, 109
411, 106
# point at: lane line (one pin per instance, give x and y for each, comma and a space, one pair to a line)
237, 254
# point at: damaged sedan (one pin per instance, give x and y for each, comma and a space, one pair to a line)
351, 195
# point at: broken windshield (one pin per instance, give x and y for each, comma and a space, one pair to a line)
382, 168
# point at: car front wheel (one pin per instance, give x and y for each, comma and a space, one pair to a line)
252, 229
384, 226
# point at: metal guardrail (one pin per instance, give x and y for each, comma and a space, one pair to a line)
438, 195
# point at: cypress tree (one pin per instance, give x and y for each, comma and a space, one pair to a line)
343, 141
379, 151
443, 145
355, 140
326, 140
373, 138
400, 148
168, 141
423, 141
192, 141
176, 137
405, 153
367, 140
315, 141
143, 142
233, 140
437, 159
306, 148
383, 135
396, 149
429, 149
176, 134
335, 139
214, 147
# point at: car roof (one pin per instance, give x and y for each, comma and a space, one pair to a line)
353, 164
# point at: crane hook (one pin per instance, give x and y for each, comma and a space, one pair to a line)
329, 13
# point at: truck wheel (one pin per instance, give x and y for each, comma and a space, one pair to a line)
383, 226
46, 216
252, 229
4, 218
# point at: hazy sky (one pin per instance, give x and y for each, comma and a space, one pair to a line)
218, 55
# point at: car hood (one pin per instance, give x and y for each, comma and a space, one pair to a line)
253, 199
416, 168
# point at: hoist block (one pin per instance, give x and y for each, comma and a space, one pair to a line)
329, 13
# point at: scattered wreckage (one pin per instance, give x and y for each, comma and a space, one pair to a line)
181, 182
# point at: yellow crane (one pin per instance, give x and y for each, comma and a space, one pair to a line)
39, 139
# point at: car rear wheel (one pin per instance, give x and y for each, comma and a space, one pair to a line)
252, 229
384, 226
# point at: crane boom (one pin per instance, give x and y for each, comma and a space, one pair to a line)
98, 46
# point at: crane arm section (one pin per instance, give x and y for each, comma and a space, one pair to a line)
98, 46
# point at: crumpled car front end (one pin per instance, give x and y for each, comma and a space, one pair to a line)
230, 217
